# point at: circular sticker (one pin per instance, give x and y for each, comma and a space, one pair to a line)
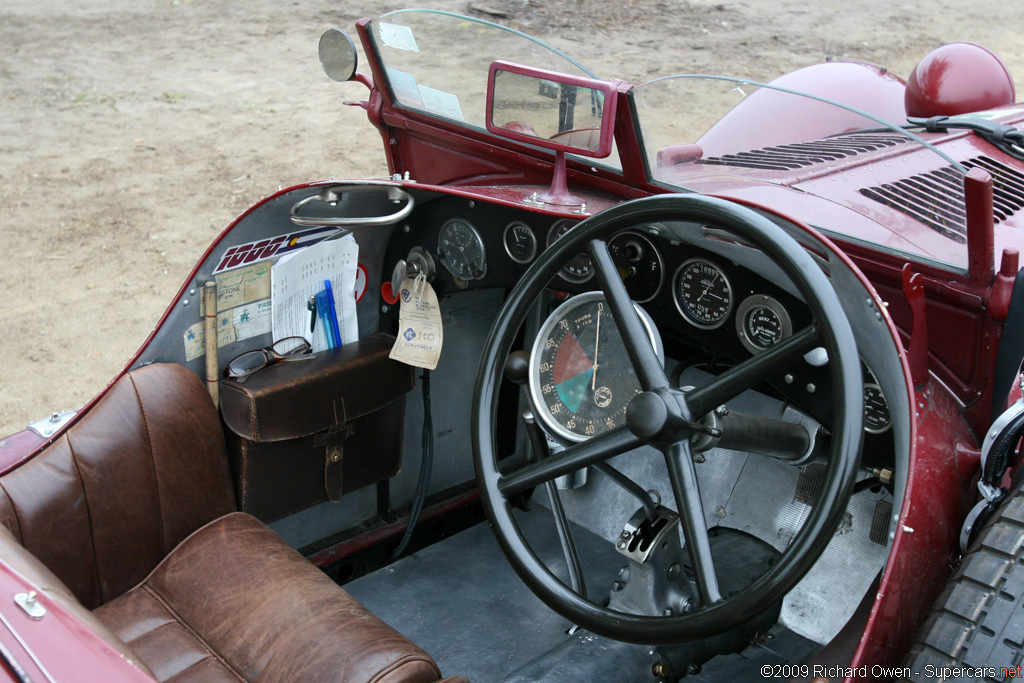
360, 281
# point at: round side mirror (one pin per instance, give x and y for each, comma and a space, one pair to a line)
337, 55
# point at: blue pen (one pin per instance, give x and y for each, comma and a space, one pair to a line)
333, 312
323, 309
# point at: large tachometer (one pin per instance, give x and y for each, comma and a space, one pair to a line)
581, 378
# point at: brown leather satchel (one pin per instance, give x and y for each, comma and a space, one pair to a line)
303, 432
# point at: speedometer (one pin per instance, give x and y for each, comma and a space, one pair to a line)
581, 378
703, 293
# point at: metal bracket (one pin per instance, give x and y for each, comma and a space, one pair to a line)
28, 602
49, 426
653, 583
332, 195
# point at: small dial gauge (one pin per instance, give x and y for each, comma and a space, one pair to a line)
762, 321
581, 378
520, 242
703, 293
579, 268
876, 411
639, 264
462, 249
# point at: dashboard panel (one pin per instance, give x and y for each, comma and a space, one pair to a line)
709, 309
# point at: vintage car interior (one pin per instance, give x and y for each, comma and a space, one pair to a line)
665, 436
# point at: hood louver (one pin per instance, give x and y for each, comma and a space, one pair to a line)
802, 154
936, 198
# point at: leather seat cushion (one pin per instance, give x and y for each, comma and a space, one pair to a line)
234, 602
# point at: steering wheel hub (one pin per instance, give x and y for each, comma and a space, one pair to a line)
649, 416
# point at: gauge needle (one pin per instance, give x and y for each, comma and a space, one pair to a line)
708, 287
597, 343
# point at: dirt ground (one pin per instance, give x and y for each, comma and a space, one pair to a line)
133, 131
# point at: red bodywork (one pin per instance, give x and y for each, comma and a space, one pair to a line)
950, 323
962, 314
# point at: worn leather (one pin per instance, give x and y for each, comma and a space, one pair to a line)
234, 597
276, 479
46, 583
124, 485
131, 513
304, 432
300, 398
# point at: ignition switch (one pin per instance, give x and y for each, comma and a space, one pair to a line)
419, 261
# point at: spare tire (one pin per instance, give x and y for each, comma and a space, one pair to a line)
975, 630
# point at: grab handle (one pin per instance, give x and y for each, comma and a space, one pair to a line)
331, 195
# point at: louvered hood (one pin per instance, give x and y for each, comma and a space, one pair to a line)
872, 187
936, 198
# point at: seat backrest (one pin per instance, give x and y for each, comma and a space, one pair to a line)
123, 486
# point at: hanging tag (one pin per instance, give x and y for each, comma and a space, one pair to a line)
420, 335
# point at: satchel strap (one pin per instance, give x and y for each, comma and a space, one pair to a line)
333, 436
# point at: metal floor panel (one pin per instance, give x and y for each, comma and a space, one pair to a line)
460, 600
758, 495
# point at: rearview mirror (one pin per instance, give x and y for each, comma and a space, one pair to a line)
551, 110
337, 55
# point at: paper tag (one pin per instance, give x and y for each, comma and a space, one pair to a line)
397, 36
195, 335
420, 334
441, 102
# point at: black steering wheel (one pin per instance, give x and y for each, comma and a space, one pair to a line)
663, 417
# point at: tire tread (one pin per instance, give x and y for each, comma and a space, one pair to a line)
978, 619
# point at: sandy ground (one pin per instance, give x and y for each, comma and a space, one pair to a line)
133, 131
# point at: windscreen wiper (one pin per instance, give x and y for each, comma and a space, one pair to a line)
1006, 137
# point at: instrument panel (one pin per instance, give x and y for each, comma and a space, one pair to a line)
704, 305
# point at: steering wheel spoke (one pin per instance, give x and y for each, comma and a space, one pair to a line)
664, 417
644, 359
683, 477
734, 381
594, 450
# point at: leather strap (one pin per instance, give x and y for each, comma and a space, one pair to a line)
334, 436
333, 443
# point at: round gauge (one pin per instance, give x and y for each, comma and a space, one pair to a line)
639, 264
581, 378
876, 411
579, 268
703, 293
520, 242
462, 249
761, 321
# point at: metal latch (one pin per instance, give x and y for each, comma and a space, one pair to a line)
49, 426
28, 602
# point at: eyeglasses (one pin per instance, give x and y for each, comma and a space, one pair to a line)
287, 349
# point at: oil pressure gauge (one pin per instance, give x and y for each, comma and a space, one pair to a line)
462, 249
762, 321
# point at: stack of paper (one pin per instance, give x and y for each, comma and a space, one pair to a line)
300, 275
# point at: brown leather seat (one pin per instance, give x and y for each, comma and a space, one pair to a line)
133, 513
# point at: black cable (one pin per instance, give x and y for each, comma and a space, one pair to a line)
426, 463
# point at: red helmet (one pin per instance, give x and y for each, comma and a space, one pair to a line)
958, 78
